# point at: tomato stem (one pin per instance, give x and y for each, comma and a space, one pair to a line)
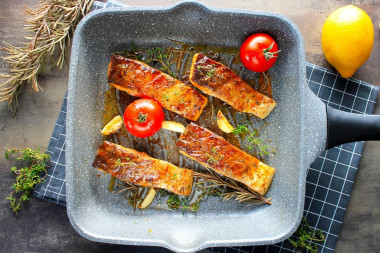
142, 117
269, 55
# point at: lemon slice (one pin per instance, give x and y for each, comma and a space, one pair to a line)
112, 126
223, 123
149, 197
173, 126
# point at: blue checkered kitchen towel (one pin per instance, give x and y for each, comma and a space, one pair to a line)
330, 177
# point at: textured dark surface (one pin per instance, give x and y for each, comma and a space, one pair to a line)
44, 227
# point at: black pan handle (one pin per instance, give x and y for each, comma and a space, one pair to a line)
344, 127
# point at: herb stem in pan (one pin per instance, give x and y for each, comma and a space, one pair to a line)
131, 192
233, 190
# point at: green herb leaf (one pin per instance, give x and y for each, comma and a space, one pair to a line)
165, 97
254, 142
240, 129
176, 203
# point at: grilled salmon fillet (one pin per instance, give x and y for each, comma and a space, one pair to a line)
214, 152
138, 168
215, 79
141, 80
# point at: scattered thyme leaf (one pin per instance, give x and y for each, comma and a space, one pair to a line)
211, 71
165, 97
211, 159
214, 157
27, 177
129, 162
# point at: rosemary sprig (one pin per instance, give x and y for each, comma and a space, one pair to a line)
306, 238
131, 192
27, 177
232, 189
51, 25
264, 149
166, 58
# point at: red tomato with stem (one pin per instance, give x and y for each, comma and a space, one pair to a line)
143, 117
259, 52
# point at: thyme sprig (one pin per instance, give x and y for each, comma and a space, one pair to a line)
305, 238
176, 203
232, 189
51, 24
183, 204
27, 177
254, 142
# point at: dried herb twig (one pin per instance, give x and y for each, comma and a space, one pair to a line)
166, 57
51, 24
233, 190
131, 192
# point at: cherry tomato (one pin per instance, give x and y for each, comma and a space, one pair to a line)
143, 117
259, 52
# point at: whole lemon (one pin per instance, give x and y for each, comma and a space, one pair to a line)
347, 39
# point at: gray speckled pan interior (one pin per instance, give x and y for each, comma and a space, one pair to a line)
297, 129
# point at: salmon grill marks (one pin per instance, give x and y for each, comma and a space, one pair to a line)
216, 153
138, 168
139, 79
215, 79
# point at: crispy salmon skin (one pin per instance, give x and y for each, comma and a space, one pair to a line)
140, 80
215, 79
214, 152
138, 168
